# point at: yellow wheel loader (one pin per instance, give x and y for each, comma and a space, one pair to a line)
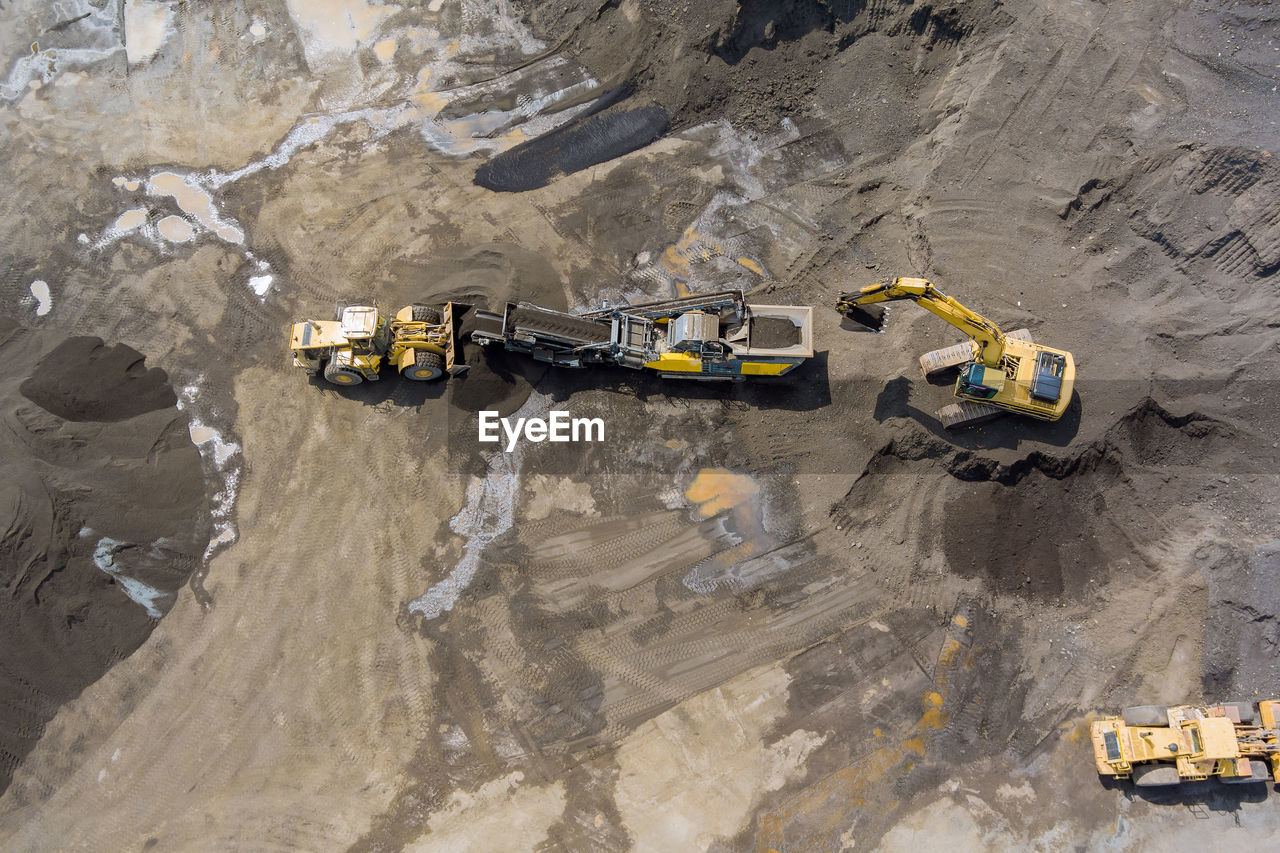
1236, 742
998, 372
419, 342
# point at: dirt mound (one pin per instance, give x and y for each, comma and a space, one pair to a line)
489, 276
769, 24
485, 275
771, 58
85, 380
1242, 631
1211, 206
496, 380
773, 332
104, 517
1048, 526
757, 60
577, 145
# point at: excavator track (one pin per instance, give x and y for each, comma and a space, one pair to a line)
966, 413
956, 355
940, 359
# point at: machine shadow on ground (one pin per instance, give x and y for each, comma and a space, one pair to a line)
806, 388
1210, 794
1004, 432
389, 389
848, 325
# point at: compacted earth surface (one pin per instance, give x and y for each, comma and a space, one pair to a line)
245, 609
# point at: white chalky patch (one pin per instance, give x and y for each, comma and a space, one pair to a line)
147, 23
488, 513
44, 301
175, 229
330, 29
98, 38
131, 219
104, 557
220, 455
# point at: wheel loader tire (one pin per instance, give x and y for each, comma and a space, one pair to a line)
427, 314
1261, 773
1155, 775
1145, 715
342, 375
426, 366
1247, 710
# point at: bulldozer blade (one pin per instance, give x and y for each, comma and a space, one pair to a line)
873, 317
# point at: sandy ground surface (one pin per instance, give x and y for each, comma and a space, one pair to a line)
778, 617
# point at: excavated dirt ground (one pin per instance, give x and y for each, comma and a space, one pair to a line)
791, 616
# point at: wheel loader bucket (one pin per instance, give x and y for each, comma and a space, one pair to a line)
455, 358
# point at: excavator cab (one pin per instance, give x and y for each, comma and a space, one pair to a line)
979, 382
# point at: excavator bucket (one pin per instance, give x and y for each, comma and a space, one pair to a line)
871, 316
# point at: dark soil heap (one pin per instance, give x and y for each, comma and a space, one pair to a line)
696, 63
105, 517
773, 332
1047, 527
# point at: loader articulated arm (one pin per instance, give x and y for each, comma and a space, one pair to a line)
987, 337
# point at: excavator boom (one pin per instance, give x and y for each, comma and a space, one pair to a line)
986, 335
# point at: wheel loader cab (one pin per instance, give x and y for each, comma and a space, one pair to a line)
367, 337
364, 329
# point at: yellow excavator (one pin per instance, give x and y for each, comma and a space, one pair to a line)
999, 372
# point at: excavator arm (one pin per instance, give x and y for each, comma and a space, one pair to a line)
989, 341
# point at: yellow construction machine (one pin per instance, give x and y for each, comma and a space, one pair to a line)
705, 336
419, 341
999, 372
1237, 742
715, 336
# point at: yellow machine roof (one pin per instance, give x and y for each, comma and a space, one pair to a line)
359, 321
1218, 738
312, 334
